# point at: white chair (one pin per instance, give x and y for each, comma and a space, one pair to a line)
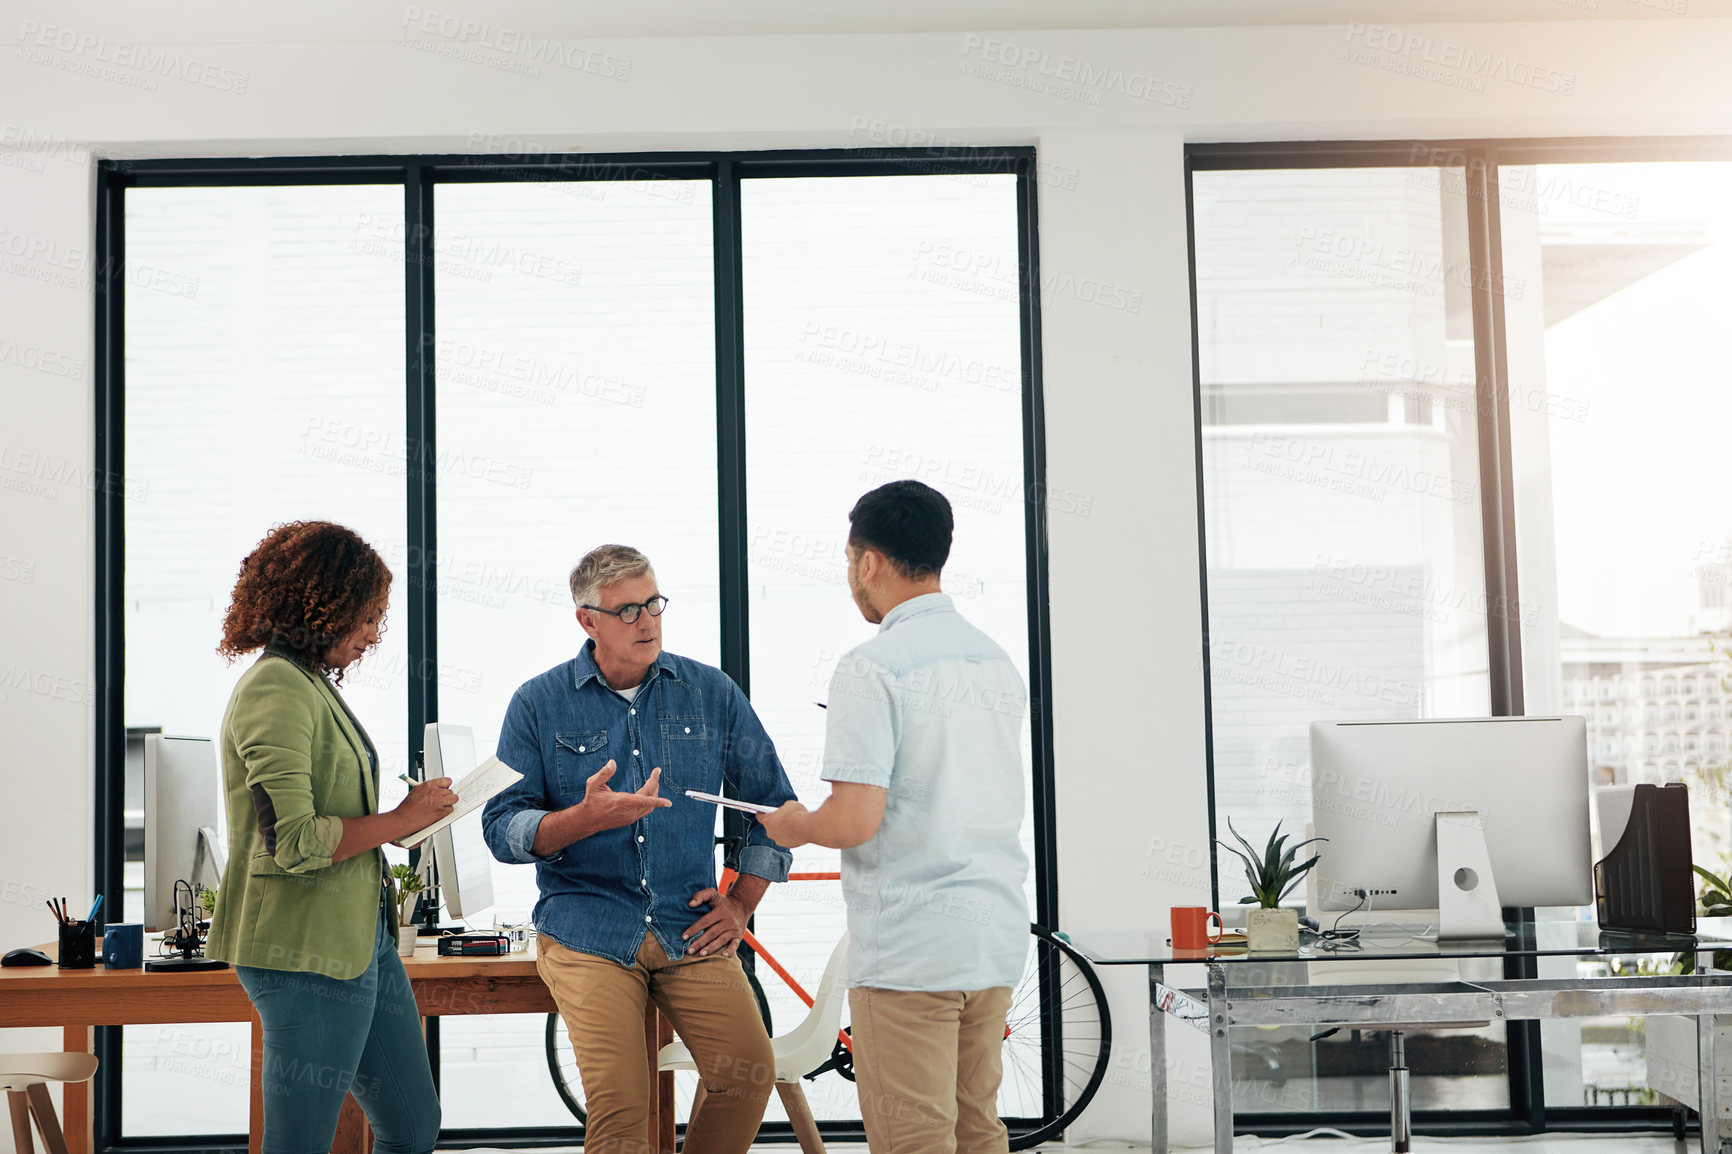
799, 1051
25, 1079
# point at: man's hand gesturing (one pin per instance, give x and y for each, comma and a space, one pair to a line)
601, 808
610, 809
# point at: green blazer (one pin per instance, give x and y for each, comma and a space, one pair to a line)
293, 764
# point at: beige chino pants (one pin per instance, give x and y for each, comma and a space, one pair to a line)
712, 1010
927, 1068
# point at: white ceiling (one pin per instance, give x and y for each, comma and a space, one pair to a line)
326, 21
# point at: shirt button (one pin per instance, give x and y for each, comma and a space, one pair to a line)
640, 837
688, 729
634, 753
643, 882
647, 918
582, 749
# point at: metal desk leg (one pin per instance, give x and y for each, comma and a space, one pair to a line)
1157, 1062
1220, 1059
1707, 1078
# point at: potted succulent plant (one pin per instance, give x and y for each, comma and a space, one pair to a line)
1272, 875
405, 885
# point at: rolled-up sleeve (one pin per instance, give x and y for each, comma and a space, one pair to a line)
511, 817
756, 771
273, 733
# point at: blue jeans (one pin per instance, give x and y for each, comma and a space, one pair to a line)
325, 1038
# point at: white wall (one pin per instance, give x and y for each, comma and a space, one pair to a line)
1128, 687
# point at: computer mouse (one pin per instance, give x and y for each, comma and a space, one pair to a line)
25, 956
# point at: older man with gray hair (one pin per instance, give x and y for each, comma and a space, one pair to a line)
629, 910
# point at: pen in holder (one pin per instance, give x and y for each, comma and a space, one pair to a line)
77, 945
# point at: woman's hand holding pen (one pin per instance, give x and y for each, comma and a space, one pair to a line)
427, 803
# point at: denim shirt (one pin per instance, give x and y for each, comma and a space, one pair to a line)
601, 893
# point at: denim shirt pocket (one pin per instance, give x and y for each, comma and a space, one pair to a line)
579, 756
687, 757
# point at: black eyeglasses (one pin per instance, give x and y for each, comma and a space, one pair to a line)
628, 613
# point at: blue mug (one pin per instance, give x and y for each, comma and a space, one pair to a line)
123, 946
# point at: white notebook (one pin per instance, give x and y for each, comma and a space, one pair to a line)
478, 785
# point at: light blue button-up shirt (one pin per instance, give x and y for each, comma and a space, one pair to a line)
931, 710
602, 894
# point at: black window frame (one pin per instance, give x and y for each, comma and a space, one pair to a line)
418, 176
1481, 159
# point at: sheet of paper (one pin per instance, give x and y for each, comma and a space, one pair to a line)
478, 785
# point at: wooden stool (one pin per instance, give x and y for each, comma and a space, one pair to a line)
25, 1079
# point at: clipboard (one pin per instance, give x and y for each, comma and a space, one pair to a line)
478, 786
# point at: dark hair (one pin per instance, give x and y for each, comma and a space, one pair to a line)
305, 587
908, 522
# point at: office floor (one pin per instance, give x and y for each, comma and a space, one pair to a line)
1550, 1144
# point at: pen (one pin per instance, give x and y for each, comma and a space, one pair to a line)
94, 906
49, 902
407, 778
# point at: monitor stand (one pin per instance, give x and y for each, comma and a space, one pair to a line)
1467, 903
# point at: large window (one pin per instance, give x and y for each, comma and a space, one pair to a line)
1342, 526
1457, 406
710, 358
1615, 408
265, 359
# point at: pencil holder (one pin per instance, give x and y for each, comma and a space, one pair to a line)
77, 945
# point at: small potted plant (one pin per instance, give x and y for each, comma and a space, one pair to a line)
1272, 875
406, 884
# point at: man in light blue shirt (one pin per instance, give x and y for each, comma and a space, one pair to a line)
923, 750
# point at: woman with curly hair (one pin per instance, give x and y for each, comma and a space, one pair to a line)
302, 912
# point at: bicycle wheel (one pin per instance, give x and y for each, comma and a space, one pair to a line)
562, 1064
1059, 1003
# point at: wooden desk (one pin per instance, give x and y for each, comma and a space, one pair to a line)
78, 1000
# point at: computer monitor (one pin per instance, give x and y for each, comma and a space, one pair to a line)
182, 822
1376, 786
460, 854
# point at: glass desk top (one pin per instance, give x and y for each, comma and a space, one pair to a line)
1377, 942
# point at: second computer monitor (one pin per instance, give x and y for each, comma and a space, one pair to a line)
460, 853
1375, 786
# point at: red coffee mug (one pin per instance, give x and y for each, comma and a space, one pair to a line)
1191, 927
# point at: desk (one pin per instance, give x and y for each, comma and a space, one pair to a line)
1216, 1008
78, 1000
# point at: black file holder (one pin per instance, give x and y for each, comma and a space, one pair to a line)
1644, 883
